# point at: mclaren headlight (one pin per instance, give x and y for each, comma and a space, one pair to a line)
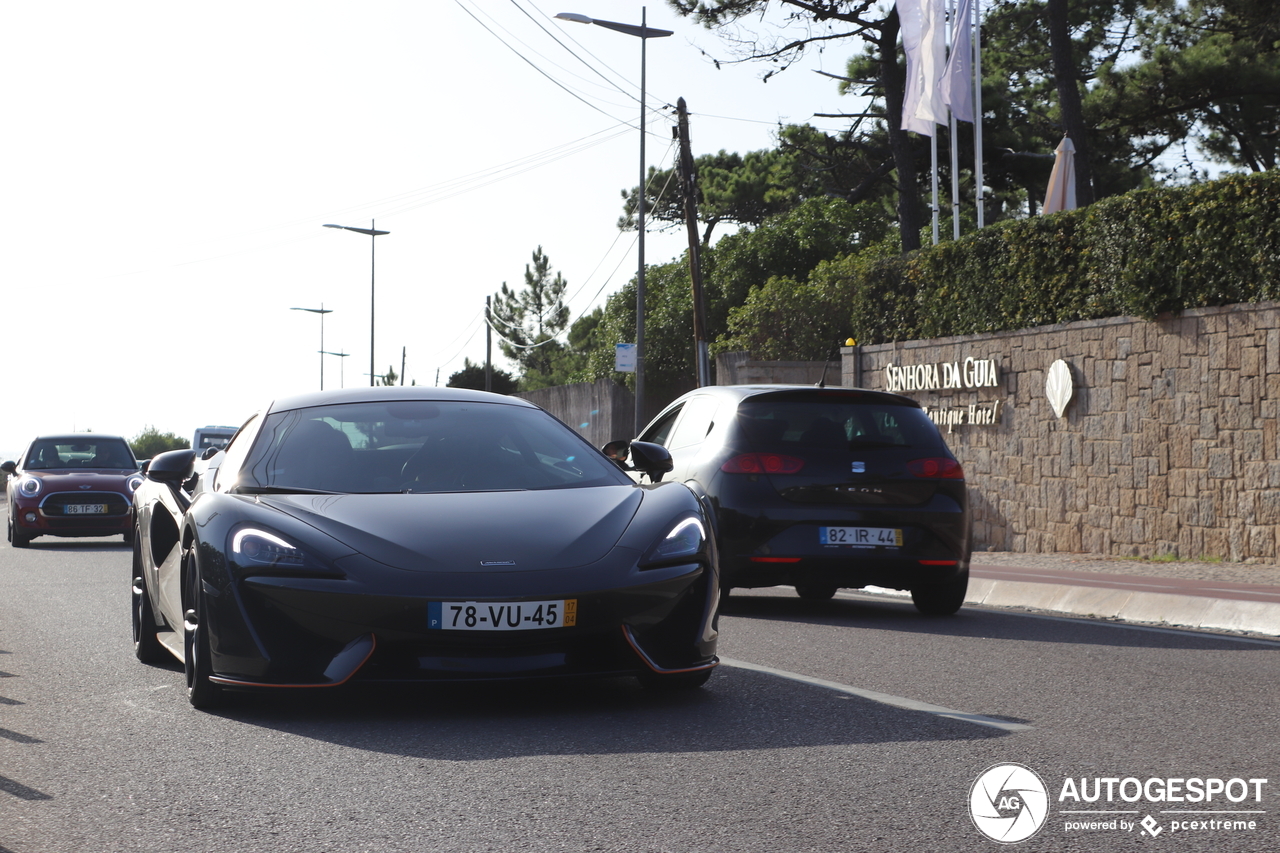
685, 541
253, 547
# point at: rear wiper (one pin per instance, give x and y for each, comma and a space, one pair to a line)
281, 490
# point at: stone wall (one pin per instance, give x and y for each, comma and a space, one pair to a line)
1168, 444
600, 411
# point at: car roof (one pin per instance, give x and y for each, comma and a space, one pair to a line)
737, 393
381, 393
79, 437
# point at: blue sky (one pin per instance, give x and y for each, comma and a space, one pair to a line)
169, 167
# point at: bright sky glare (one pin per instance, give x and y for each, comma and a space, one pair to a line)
169, 167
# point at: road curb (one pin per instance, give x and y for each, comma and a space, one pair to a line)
1182, 611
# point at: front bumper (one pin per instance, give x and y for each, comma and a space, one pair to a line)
271, 631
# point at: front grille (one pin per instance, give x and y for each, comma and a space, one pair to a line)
55, 506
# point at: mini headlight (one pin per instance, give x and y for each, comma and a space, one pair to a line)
30, 486
684, 540
133, 482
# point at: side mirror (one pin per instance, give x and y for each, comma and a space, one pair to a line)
9, 467
652, 459
210, 452
618, 450
171, 468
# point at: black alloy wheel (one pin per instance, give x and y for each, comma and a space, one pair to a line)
146, 646
201, 692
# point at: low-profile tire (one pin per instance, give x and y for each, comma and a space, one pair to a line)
674, 680
146, 646
816, 591
941, 599
201, 692
16, 538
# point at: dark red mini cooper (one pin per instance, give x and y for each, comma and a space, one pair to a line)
72, 485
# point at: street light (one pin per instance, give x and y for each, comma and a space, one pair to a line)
342, 374
375, 234
321, 311
643, 33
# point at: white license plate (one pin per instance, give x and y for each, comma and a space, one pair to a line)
86, 509
861, 537
501, 615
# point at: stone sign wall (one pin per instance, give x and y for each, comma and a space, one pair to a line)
1167, 442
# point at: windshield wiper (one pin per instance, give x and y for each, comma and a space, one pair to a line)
281, 490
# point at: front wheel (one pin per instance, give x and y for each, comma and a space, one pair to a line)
201, 691
146, 646
941, 599
16, 537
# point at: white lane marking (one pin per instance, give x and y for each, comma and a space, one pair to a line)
883, 698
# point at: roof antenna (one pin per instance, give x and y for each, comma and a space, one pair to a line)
822, 382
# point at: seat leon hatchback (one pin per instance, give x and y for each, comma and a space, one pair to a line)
824, 488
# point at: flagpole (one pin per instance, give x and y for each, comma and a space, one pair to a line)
977, 109
933, 149
955, 145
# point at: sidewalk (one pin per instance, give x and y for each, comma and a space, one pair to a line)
1237, 597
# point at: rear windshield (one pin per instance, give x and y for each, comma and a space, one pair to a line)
834, 423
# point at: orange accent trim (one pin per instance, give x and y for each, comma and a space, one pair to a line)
635, 647
237, 683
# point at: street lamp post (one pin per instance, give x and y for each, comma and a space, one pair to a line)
643, 33
321, 311
342, 374
374, 234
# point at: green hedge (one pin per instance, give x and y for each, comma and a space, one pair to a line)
1140, 254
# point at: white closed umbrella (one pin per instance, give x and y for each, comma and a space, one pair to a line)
1061, 194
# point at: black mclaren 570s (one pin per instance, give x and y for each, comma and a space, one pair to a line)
394, 535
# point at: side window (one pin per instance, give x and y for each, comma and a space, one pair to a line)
695, 423
235, 453
660, 433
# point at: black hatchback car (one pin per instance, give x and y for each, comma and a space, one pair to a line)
824, 488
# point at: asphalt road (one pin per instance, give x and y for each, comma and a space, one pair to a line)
851, 725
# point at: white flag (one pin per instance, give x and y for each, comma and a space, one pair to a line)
925, 45
957, 82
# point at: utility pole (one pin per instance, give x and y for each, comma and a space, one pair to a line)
689, 192
402, 354
488, 347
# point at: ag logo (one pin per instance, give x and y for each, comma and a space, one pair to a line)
1008, 803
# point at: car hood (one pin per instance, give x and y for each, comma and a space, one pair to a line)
473, 531
103, 478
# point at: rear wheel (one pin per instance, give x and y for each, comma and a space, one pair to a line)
201, 692
941, 599
816, 591
674, 680
146, 647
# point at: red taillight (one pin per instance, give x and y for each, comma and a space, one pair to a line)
762, 463
936, 468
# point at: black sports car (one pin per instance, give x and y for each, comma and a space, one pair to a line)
408, 534
823, 488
